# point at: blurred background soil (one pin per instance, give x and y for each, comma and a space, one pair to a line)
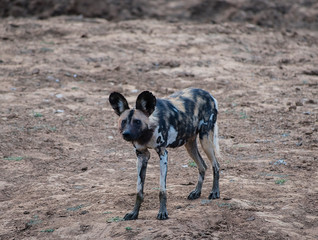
284, 13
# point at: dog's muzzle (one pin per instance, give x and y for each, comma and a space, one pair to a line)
127, 135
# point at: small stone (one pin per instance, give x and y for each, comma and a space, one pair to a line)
280, 162
205, 201
50, 78
35, 71
299, 104
310, 101
12, 115
292, 108
227, 198
252, 218
49, 213
59, 95
300, 143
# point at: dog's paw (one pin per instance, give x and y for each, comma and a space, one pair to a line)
214, 195
162, 215
131, 216
194, 195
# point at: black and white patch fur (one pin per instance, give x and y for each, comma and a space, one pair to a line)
169, 123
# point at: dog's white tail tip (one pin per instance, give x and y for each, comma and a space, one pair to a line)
216, 140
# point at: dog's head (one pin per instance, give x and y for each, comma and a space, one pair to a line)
133, 123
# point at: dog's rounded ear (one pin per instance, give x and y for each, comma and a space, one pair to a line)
146, 102
118, 102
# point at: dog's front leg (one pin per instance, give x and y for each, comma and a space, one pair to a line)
163, 213
142, 161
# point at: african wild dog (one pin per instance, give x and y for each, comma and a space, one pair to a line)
171, 122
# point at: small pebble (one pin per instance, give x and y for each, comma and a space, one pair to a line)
35, 71
50, 78
310, 101
84, 212
227, 198
292, 108
205, 201
280, 162
252, 218
299, 104
299, 144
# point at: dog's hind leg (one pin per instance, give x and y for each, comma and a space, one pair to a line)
210, 145
193, 151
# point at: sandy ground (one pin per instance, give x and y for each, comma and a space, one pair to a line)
67, 174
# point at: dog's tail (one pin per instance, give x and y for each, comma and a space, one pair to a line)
216, 145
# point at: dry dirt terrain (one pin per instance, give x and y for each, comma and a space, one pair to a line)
67, 174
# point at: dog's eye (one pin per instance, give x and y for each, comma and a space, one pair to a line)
137, 122
123, 123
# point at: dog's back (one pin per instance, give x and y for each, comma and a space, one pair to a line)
183, 115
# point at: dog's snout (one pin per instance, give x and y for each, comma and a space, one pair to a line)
127, 135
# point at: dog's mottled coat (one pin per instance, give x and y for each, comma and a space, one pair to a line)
169, 123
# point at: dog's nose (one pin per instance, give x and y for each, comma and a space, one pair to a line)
127, 135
